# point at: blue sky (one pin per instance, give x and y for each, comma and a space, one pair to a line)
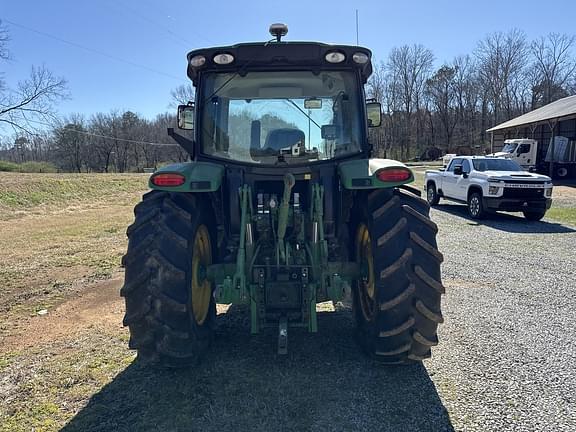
158, 34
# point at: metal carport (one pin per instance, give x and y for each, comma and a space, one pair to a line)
542, 124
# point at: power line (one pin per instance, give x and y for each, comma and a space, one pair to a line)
119, 139
105, 136
92, 50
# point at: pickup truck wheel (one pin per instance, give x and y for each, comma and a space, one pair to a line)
475, 207
396, 301
431, 194
534, 216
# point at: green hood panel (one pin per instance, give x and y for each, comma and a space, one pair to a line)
361, 173
200, 177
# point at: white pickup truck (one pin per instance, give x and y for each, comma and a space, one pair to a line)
488, 184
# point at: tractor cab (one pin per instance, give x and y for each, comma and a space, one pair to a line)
279, 102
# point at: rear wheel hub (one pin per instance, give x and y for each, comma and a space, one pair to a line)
201, 288
366, 286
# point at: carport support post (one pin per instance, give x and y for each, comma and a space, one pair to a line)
492, 142
552, 126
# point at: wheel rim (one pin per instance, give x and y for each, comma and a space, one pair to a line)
474, 205
366, 285
430, 194
201, 288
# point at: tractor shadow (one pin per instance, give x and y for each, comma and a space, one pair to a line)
509, 222
324, 383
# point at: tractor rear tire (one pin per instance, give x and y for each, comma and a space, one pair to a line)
397, 301
170, 243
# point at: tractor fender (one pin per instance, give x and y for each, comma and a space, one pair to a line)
199, 177
362, 173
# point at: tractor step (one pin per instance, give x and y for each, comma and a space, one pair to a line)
283, 336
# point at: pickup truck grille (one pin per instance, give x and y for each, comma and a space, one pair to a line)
523, 193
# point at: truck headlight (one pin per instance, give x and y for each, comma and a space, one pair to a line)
493, 190
548, 192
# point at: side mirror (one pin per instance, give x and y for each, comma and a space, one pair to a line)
374, 114
186, 117
458, 170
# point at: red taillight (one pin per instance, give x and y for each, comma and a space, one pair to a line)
394, 174
168, 179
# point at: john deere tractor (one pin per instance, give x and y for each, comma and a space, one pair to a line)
280, 207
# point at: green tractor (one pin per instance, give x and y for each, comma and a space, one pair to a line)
280, 208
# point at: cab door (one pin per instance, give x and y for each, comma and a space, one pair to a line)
462, 181
525, 155
449, 179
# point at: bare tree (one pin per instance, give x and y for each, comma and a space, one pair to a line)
554, 67
441, 89
101, 147
33, 100
467, 92
181, 95
408, 68
71, 143
502, 60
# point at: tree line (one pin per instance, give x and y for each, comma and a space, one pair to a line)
430, 111
105, 142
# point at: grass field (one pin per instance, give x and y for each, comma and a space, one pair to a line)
62, 237
61, 234
60, 229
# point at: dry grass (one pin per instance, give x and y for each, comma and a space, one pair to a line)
59, 231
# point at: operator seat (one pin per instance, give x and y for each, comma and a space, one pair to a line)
481, 166
281, 138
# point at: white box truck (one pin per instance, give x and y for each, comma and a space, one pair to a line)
532, 156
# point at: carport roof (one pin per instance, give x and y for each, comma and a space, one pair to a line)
555, 110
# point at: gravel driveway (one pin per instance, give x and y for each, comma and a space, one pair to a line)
507, 357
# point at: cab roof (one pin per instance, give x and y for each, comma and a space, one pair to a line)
270, 56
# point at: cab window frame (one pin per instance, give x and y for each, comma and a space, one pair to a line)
453, 163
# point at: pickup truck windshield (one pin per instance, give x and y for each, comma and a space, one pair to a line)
495, 165
281, 117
